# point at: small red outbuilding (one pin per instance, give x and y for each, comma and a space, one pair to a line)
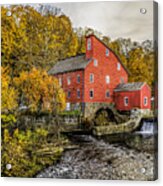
132, 95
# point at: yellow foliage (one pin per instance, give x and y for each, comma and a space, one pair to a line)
40, 91
73, 46
32, 39
8, 94
20, 149
140, 64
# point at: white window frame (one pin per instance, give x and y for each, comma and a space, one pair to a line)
145, 98
118, 66
78, 95
76, 106
90, 94
95, 62
68, 80
89, 44
78, 78
125, 103
91, 78
107, 79
107, 91
107, 52
68, 106
60, 81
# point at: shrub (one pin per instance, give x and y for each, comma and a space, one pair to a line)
27, 152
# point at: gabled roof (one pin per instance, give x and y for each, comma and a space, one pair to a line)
69, 64
129, 86
77, 62
128, 72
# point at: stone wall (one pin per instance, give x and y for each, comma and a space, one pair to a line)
46, 121
90, 109
126, 127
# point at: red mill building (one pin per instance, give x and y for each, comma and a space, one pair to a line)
97, 79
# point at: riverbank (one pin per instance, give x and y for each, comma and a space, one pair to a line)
96, 159
27, 152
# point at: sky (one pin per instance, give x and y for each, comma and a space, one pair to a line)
113, 19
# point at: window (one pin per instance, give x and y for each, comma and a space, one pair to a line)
122, 80
68, 94
145, 101
68, 80
118, 66
91, 78
60, 81
78, 78
107, 79
89, 44
78, 93
126, 101
76, 106
107, 52
68, 106
95, 62
91, 94
107, 94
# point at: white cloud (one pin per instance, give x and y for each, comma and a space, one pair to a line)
115, 19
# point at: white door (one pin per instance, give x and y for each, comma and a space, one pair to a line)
67, 106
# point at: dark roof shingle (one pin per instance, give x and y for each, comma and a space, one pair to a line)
77, 63
70, 64
129, 86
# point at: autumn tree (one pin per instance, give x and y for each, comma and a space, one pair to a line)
9, 98
8, 94
73, 46
141, 66
39, 91
139, 61
14, 39
81, 44
34, 39
106, 40
31, 39
116, 47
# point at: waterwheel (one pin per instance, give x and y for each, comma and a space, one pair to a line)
104, 117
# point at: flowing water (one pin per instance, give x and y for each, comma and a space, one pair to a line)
148, 127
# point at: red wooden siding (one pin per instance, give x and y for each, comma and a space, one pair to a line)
73, 86
107, 65
146, 92
136, 99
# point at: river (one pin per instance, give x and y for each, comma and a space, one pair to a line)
131, 157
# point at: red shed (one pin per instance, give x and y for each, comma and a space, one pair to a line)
132, 95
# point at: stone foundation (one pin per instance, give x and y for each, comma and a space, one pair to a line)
143, 112
90, 109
